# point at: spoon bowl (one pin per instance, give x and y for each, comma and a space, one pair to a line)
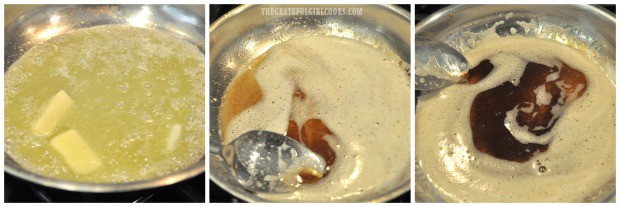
437, 65
264, 161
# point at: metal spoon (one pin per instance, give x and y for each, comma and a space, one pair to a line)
263, 161
437, 65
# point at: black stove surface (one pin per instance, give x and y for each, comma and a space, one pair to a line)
17, 190
219, 195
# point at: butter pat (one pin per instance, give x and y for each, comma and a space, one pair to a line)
173, 137
55, 110
76, 152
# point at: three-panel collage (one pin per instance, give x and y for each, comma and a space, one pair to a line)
309, 103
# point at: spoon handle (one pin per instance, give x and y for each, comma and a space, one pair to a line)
215, 148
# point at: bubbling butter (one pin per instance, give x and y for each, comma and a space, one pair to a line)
135, 95
356, 92
581, 152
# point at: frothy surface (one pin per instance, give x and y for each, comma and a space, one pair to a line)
361, 97
581, 153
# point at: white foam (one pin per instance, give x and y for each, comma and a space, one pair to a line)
542, 96
521, 133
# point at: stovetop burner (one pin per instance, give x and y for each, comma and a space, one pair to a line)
19, 191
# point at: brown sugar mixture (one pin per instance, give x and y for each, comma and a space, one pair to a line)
348, 102
489, 108
312, 135
245, 92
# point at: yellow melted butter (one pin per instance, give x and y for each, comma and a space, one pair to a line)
129, 85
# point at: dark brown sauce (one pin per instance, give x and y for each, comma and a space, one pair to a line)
242, 93
312, 135
309, 175
479, 72
293, 131
489, 108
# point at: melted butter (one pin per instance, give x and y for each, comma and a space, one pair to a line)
130, 86
351, 105
580, 157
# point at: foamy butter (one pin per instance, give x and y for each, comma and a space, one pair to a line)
581, 154
362, 98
